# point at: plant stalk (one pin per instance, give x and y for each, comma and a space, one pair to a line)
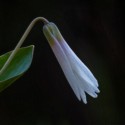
26, 33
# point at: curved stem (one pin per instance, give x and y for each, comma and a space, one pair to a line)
26, 33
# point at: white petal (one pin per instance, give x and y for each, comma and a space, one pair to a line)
86, 86
82, 76
87, 82
83, 96
69, 52
64, 63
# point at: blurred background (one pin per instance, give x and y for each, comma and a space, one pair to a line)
95, 31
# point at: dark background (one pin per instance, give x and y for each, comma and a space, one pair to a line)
95, 31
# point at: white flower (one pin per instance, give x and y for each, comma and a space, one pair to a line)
78, 75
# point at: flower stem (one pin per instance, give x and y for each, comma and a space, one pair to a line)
26, 33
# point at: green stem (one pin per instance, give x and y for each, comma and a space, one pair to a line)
26, 33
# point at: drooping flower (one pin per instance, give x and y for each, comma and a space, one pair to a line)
78, 75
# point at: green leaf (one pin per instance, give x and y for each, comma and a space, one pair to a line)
17, 67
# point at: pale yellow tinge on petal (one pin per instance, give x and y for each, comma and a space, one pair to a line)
48, 33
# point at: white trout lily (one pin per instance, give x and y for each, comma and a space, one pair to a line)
78, 75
